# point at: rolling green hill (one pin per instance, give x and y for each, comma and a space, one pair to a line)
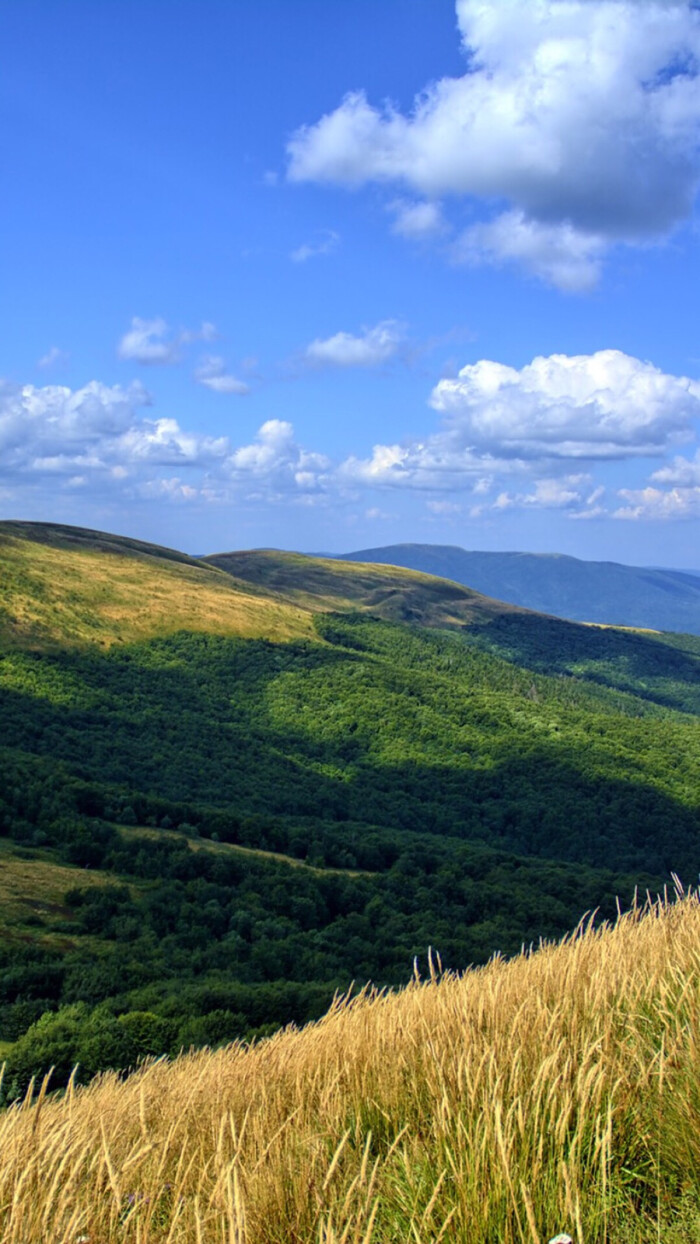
70, 586
582, 591
393, 593
232, 787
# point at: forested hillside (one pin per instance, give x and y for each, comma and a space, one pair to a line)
207, 830
583, 591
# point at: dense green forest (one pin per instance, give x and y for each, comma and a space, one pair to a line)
250, 826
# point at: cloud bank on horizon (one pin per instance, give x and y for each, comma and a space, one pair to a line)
573, 129
548, 425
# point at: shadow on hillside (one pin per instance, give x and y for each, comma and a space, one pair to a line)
188, 720
664, 670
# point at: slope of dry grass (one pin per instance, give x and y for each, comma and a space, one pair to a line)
389, 592
68, 587
557, 1092
71, 586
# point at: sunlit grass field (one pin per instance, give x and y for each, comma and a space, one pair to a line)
558, 1092
69, 586
71, 592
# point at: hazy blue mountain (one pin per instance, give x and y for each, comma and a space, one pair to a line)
583, 591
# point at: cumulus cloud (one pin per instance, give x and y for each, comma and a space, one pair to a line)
57, 431
152, 342
98, 437
499, 422
325, 245
547, 494
684, 472
577, 114
213, 375
370, 349
659, 503
434, 464
602, 405
508, 438
275, 459
555, 252
416, 220
167, 489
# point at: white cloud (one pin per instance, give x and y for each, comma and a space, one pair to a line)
97, 439
206, 332
500, 422
56, 431
325, 245
603, 405
275, 459
373, 347
435, 463
153, 343
595, 511
213, 375
168, 489
416, 220
659, 503
547, 494
147, 341
507, 438
683, 472
54, 357
554, 252
576, 114
164, 442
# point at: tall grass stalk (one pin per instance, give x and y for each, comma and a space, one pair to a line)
558, 1092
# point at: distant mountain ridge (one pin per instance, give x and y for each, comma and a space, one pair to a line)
604, 592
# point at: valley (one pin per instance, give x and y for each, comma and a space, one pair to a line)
234, 786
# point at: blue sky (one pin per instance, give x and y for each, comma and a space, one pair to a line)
336, 275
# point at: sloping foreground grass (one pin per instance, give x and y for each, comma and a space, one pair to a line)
556, 1092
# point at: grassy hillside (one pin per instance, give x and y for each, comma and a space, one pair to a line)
555, 1093
565, 586
389, 592
69, 586
278, 815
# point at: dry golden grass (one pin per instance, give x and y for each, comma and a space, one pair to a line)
69, 586
557, 1092
391, 592
72, 593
